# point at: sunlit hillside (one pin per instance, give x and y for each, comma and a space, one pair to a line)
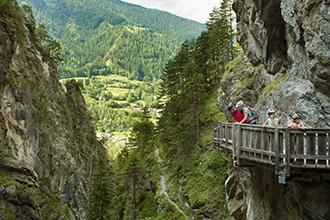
116, 50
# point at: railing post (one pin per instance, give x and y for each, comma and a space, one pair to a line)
328, 149
219, 135
287, 150
277, 151
232, 130
238, 139
226, 134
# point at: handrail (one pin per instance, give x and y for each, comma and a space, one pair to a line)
275, 146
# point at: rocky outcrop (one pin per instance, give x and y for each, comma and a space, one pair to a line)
47, 141
288, 48
285, 65
254, 193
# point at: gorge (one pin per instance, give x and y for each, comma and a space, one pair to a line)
49, 146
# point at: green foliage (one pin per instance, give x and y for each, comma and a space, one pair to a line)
245, 81
49, 48
10, 81
5, 178
50, 204
112, 37
233, 66
260, 67
184, 133
99, 203
98, 46
142, 133
209, 112
4, 143
109, 39
7, 7
110, 100
195, 71
11, 14
206, 137
200, 179
270, 88
134, 190
220, 38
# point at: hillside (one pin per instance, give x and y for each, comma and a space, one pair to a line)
113, 39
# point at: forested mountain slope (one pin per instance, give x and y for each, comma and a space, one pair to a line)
116, 50
113, 37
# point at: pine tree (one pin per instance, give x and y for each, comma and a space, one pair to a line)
99, 203
133, 169
195, 71
220, 38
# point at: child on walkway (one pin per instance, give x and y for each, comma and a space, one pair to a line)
296, 123
272, 121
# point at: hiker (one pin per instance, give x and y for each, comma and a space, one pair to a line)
272, 121
248, 118
238, 115
296, 123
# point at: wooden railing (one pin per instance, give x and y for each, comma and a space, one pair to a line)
254, 145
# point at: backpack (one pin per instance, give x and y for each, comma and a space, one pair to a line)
254, 114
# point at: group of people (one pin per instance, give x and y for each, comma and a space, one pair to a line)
242, 114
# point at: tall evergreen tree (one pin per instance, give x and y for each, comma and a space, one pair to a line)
190, 75
99, 204
133, 170
220, 38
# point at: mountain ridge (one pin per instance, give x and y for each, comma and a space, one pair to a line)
113, 38
87, 31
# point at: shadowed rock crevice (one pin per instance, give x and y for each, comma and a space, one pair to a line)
262, 33
275, 42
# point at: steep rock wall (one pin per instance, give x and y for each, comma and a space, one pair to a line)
290, 39
285, 65
47, 141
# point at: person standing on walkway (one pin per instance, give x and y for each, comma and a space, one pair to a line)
238, 115
272, 121
248, 118
296, 123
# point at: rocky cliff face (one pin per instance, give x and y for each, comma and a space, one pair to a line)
287, 45
286, 65
47, 143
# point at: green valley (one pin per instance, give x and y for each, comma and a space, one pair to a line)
115, 50
163, 170
111, 100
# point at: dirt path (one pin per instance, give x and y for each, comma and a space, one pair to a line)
164, 186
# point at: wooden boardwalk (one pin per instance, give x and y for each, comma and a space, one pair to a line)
273, 148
